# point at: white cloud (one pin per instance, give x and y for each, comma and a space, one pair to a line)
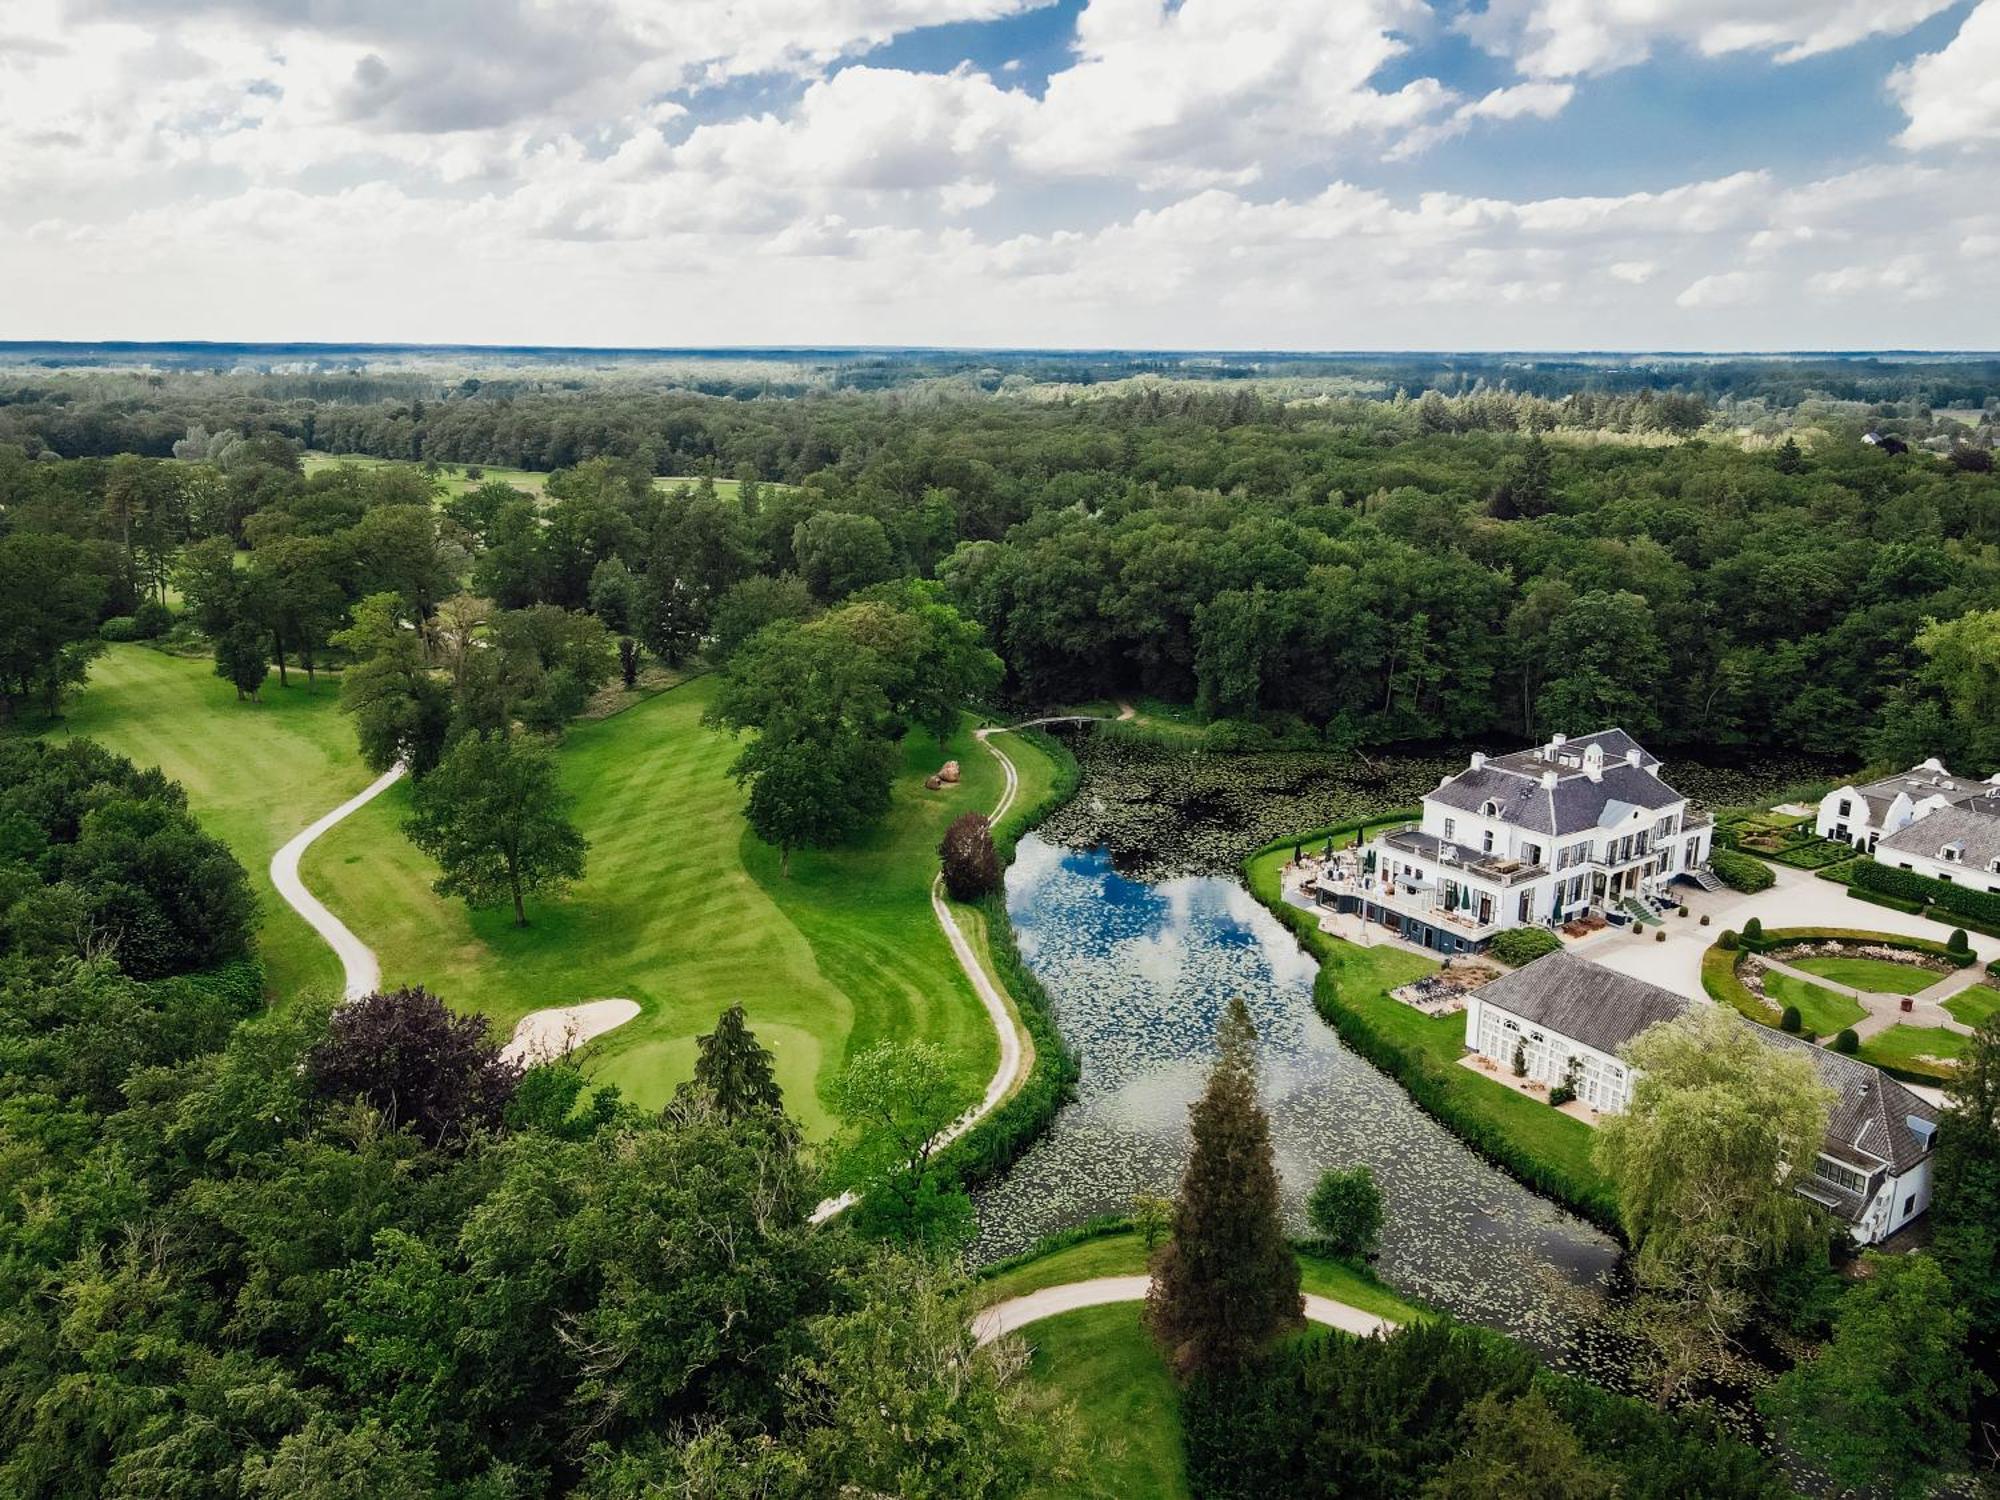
1565, 38
1724, 289
1953, 97
1634, 272
1541, 101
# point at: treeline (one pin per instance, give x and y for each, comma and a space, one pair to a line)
1363, 569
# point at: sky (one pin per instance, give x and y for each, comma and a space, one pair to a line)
1228, 174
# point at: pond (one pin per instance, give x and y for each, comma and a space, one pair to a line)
1139, 973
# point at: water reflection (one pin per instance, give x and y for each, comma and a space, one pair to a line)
1139, 975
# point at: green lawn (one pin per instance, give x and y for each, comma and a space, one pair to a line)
1970, 1007
1902, 1045
1821, 1011
684, 912
1536, 1139
1125, 1255
255, 773
1103, 1361
1875, 975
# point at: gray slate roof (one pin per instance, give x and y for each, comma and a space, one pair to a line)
1575, 803
1601, 1008
1974, 824
1584, 1001
1919, 782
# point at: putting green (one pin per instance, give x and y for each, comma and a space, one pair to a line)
255, 773
684, 912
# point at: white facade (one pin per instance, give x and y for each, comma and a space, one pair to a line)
1865, 815
1888, 1201
1603, 1081
1538, 837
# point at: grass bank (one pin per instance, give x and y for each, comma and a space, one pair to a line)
1544, 1148
255, 773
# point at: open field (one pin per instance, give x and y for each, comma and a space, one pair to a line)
1876, 975
684, 912
1821, 1011
453, 476
255, 773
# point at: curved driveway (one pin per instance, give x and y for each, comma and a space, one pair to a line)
1032, 1307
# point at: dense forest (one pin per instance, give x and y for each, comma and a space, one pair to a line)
1342, 571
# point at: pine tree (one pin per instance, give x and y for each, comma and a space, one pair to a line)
733, 1071
1226, 1284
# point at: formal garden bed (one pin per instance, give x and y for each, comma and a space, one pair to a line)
1782, 838
1735, 972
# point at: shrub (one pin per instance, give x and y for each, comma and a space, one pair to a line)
119, 628
1791, 1020
1893, 903
1660, 935
1847, 1042
1682, 912
152, 619
1521, 945
1727, 941
1704, 919
421, 1065
1521, 1058
1346, 1212
971, 864
1939, 914
1957, 942
1740, 872
1959, 900
1753, 929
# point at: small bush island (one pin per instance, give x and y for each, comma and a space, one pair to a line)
1522, 945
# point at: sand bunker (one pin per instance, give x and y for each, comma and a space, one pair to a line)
543, 1034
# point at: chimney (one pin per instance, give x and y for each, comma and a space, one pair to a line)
1549, 779
1933, 764
1478, 760
1556, 742
1593, 763
1632, 756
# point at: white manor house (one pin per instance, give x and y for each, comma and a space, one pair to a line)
1538, 837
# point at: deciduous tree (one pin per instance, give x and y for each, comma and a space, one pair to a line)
496, 819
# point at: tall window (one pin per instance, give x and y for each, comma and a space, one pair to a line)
1837, 1172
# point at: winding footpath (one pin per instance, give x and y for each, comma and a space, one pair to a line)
550, 1032
1031, 1307
363, 972
539, 1034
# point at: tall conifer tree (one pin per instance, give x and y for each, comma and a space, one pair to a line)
733, 1071
1226, 1284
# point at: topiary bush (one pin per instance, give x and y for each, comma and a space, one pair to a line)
1958, 942
1847, 1042
1791, 1020
1522, 945
1753, 930
1704, 919
1727, 941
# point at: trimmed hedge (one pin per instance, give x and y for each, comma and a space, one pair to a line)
1893, 903
1777, 937
1719, 978
1523, 945
1740, 872
1970, 924
1960, 900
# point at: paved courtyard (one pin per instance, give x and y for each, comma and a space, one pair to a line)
1798, 899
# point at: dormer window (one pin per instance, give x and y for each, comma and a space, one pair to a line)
1489, 809
1951, 854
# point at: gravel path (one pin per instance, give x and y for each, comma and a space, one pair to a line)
1032, 1307
363, 973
